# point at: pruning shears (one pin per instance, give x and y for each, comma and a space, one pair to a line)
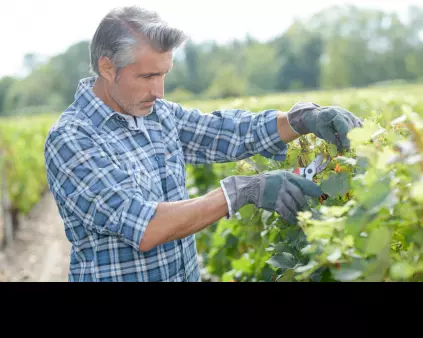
316, 166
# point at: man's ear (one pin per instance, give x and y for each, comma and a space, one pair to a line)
106, 68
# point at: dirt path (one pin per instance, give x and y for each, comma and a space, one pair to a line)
40, 251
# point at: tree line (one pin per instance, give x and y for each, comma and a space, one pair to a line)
339, 47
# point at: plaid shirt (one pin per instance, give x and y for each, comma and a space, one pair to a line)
108, 174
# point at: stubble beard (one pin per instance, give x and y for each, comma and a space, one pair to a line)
129, 109
126, 109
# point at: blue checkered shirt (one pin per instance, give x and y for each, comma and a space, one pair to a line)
108, 172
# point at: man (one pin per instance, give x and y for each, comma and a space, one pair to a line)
116, 158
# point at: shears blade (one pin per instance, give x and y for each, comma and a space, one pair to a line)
316, 166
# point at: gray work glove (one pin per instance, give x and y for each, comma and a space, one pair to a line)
277, 190
329, 123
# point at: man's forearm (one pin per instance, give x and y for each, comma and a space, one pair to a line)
175, 220
285, 131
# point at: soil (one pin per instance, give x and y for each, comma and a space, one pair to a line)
39, 251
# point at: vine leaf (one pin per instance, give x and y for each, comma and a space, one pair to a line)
287, 276
336, 184
283, 261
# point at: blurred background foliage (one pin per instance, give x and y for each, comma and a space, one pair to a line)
339, 47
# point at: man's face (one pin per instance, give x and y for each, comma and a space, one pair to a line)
138, 85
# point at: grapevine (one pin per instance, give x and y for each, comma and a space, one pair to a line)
369, 228
22, 142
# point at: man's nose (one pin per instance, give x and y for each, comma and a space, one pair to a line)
157, 89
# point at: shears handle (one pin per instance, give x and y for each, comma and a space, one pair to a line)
299, 171
308, 173
302, 172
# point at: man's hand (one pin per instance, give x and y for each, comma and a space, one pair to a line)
277, 190
330, 123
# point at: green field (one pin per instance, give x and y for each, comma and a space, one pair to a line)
362, 101
370, 229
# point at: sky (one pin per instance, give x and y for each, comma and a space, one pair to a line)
49, 27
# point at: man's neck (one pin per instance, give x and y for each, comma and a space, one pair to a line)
99, 89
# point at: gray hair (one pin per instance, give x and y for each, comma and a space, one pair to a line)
124, 29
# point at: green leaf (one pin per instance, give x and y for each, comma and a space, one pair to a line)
335, 211
349, 271
247, 211
292, 159
287, 276
346, 160
346, 275
361, 165
383, 158
333, 151
378, 240
228, 276
231, 241
267, 273
378, 267
359, 136
349, 240
304, 268
321, 274
283, 261
244, 264
282, 247
267, 217
374, 195
417, 192
334, 256
401, 271
336, 184
353, 225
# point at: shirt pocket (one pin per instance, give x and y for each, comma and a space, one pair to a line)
175, 167
149, 188
139, 174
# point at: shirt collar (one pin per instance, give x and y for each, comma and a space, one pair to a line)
93, 107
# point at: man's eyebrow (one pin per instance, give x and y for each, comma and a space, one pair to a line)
157, 73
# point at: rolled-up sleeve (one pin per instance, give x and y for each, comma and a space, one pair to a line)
228, 134
102, 196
